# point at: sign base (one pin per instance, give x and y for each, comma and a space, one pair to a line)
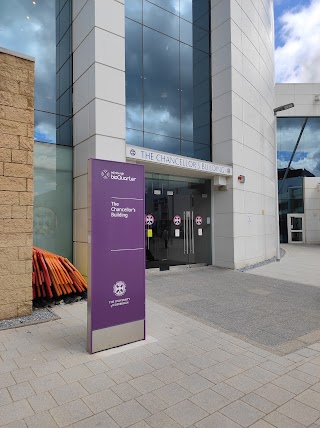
111, 337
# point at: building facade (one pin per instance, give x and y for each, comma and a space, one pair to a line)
185, 88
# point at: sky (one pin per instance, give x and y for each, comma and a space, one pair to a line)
297, 30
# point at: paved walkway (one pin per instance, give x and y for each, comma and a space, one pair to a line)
301, 264
224, 349
279, 315
187, 374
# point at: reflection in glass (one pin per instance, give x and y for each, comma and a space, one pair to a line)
161, 84
159, 142
307, 155
194, 150
133, 137
45, 127
305, 163
170, 5
134, 96
42, 29
53, 198
160, 20
168, 88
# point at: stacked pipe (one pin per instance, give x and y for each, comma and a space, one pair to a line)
54, 276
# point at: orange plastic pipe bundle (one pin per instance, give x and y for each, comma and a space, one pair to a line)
54, 276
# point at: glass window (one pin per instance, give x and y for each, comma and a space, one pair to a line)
200, 7
64, 105
134, 95
52, 218
65, 18
170, 5
203, 21
203, 44
201, 69
202, 134
202, 93
45, 126
186, 32
186, 7
64, 132
133, 9
160, 142
133, 137
65, 76
64, 49
168, 88
42, 29
160, 20
307, 156
194, 150
305, 163
161, 84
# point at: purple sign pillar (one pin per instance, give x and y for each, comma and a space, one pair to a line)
116, 292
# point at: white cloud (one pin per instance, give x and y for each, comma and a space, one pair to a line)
298, 59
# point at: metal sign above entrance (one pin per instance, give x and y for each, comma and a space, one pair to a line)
162, 159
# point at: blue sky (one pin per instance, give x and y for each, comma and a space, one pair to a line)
281, 7
297, 28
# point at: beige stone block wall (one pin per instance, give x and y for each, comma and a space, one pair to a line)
16, 183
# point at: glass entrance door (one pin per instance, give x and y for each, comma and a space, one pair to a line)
295, 228
180, 232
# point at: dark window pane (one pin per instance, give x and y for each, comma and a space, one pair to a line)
194, 150
199, 56
134, 9
203, 44
168, 90
64, 49
65, 18
133, 137
160, 20
186, 83
201, 115
192, 10
159, 142
201, 70
64, 133
202, 134
64, 107
65, 76
202, 93
203, 22
199, 8
134, 96
161, 84
198, 33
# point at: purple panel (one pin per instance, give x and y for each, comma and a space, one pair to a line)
117, 258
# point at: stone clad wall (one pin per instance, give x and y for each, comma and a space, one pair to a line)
16, 183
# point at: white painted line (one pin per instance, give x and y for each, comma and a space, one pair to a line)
128, 249
134, 199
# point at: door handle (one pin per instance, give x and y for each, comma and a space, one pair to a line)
187, 231
192, 234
